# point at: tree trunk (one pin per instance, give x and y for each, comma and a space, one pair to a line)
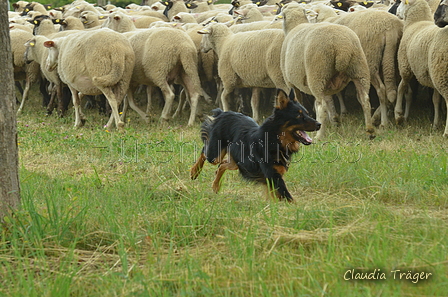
9, 176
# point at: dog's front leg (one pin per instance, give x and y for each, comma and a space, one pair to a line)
274, 176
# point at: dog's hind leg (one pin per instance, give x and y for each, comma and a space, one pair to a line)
197, 167
221, 169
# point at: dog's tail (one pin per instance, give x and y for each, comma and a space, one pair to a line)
207, 124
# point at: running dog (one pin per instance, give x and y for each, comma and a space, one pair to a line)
260, 153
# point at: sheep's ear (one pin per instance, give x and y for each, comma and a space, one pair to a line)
282, 100
204, 31
49, 44
191, 5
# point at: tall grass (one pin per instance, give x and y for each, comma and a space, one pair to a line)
110, 214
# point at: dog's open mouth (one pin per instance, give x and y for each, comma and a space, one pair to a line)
303, 137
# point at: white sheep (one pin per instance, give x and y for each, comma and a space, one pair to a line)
242, 64
173, 7
165, 56
91, 19
320, 60
71, 23
20, 5
379, 33
22, 71
37, 52
120, 22
422, 53
89, 67
256, 26
45, 27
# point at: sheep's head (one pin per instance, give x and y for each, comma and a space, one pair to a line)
29, 53
211, 34
441, 16
293, 14
404, 7
311, 15
53, 53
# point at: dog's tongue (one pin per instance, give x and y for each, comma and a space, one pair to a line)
305, 136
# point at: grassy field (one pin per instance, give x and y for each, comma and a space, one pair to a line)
110, 214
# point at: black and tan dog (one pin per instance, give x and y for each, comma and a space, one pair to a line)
260, 153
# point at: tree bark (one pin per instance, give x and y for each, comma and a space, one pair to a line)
9, 164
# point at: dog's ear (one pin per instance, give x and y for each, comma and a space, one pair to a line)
282, 100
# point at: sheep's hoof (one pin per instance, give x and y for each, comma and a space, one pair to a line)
399, 120
371, 131
376, 120
163, 121
336, 121
120, 126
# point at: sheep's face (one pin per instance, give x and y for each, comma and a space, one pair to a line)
206, 44
311, 15
29, 53
401, 9
404, 7
213, 34
53, 53
441, 16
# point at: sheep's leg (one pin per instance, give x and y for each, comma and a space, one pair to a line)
124, 111
298, 95
129, 99
224, 98
380, 88
408, 97
445, 133
363, 98
191, 84
53, 94
168, 95
194, 107
321, 116
436, 101
61, 108
219, 90
182, 99
79, 120
25, 94
331, 110
207, 97
149, 90
342, 106
255, 103
113, 102
403, 87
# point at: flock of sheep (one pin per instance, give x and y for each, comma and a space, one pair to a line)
212, 50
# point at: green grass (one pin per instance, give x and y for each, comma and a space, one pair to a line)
110, 214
